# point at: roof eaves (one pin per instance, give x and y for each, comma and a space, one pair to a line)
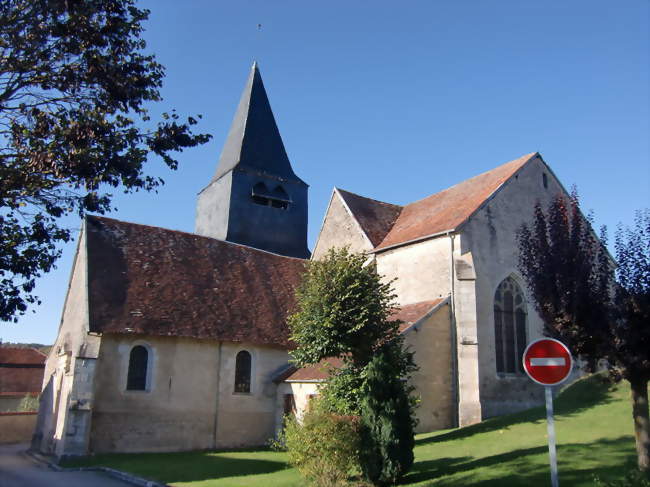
415, 240
496, 191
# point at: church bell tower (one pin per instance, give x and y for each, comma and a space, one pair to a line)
254, 197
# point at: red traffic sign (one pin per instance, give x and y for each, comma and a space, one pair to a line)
547, 361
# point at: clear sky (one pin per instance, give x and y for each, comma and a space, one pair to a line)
398, 100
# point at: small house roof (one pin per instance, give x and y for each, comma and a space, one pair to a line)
21, 356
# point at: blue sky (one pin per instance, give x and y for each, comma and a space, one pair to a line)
398, 100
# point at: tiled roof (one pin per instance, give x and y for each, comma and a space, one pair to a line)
409, 314
316, 372
446, 210
22, 356
152, 281
376, 218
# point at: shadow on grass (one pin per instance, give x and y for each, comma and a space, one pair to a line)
188, 466
525, 468
582, 395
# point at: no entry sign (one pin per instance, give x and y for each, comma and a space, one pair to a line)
547, 361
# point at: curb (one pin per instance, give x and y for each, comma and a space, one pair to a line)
118, 474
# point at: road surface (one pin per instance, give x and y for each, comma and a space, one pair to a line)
17, 469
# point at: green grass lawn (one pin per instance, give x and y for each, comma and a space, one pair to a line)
593, 427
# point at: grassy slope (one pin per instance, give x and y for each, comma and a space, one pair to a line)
593, 427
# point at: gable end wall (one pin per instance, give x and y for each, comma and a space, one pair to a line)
489, 237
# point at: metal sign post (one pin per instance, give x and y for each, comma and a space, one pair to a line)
548, 362
550, 428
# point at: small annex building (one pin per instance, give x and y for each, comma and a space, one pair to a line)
178, 341
21, 374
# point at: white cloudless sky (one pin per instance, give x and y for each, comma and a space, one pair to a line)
398, 100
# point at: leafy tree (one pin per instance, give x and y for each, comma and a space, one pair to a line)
630, 350
344, 311
569, 273
75, 84
571, 277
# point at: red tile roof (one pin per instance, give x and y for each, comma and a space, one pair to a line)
18, 355
316, 372
153, 281
448, 209
409, 314
376, 218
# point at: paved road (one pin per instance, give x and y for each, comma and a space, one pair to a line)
17, 469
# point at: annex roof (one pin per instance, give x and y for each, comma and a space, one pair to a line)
375, 218
254, 141
450, 208
153, 281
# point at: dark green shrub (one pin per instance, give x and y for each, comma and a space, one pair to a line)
386, 448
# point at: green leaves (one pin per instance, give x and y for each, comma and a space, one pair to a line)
343, 310
74, 87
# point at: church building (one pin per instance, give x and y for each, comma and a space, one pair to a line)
174, 341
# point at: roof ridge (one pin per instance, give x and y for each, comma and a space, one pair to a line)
203, 237
450, 208
527, 156
367, 198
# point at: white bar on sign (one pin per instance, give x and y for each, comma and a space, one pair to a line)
548, 361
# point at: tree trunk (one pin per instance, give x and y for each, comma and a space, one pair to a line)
641, 421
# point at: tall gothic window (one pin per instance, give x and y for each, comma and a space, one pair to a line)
138, 362
243, 372
509, 327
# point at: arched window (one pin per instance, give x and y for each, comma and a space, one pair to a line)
509, 327
243, 372
138, 362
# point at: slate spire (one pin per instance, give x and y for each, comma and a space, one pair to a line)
254, 142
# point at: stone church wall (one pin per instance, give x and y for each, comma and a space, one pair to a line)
490, 235
177, 409
422, 270
434, 381
63, 427
248, 419
340, 229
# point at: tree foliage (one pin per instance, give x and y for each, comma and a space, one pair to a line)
344, 310
630, 335
631, 330
600, 310
324, 447
569, 273
75, 84
387, 419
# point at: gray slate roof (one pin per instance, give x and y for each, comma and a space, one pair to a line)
254, 142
